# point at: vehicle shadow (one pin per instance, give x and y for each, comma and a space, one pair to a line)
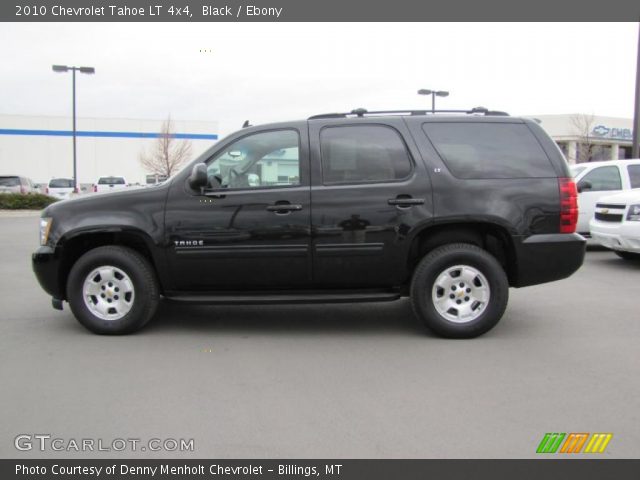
373, 318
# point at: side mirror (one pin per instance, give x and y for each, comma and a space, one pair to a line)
198, 178
584, 185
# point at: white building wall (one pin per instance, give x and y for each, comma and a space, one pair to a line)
42, 157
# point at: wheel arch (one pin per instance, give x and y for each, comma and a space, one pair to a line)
76, 243
492, 237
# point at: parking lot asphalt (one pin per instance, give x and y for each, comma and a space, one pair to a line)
330, 381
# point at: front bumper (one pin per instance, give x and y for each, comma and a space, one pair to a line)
46, 266
547, 257
623, 236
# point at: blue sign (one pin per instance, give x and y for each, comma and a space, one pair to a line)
613, 133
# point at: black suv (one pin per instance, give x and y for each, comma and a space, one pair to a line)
448, 209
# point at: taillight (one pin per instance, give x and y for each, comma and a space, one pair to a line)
568, 205
23, 190
95, 189
46, 190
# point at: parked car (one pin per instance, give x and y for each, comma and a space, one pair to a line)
450, 210
17, 184
596, 179
109, 184
616, 224
60, 188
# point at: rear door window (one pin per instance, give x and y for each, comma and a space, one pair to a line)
61, 183
489, 150
363, 154
634, 175
111, 181
9, 181
603, 179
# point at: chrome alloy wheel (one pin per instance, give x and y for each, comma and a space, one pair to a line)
108, 293
460, 293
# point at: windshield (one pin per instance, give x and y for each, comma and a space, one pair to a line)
61, 183
9, 181
111, 181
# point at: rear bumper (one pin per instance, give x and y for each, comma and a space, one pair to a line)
46, 266
548, 257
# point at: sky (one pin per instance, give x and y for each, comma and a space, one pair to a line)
263, 72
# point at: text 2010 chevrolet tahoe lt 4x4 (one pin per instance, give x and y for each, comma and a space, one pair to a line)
450, 210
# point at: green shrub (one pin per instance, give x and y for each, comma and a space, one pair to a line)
17, 201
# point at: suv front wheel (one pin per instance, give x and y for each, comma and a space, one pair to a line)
112, 290
459, 291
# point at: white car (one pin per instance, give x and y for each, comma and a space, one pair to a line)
61, 188
616, 224
109, 184
595, 179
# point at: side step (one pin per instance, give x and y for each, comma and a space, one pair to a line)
276, 298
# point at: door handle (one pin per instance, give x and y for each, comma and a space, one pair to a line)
283, 208
405, 201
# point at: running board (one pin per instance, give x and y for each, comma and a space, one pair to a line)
263, 298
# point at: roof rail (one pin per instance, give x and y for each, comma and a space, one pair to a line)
361, 112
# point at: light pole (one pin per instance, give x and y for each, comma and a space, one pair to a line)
63, 69
434, 94
635, 145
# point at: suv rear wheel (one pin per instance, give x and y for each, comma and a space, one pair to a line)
112, 290
459, 291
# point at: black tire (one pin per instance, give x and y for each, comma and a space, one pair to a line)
434, 264
142, 276
628, 255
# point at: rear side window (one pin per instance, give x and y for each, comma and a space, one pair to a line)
61, 183
634, 175
603, 179
9, 181
111, 181
489, 150
363, 154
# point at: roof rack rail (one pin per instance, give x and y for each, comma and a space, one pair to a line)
361, 112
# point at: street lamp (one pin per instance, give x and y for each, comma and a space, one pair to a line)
63, 69
434, 94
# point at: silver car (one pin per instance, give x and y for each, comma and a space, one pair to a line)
17, 184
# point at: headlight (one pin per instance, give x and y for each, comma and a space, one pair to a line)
633, 215
45, 228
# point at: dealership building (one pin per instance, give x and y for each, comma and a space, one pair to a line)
41, 147
584, 138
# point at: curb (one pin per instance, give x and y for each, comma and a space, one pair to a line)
19, 213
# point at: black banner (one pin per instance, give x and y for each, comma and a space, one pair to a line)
333, 469
315, 11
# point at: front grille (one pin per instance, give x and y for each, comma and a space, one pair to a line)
609, 217
610, 205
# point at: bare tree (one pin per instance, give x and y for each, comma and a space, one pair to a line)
583, 128
167, 154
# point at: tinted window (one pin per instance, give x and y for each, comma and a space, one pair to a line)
260, 160
603, 179
61, 183
111, 181
489, 150
634, 175
9, 181
367, 153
